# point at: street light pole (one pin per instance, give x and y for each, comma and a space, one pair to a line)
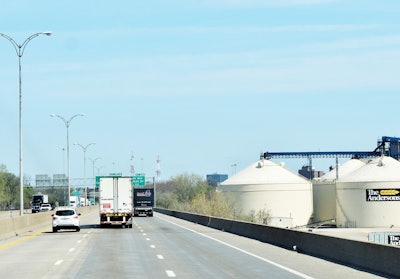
19, 49
67, 124
84, 165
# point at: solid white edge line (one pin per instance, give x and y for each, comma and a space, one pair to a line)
302, 275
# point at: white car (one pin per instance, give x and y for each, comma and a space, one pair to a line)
45, 207
66, 218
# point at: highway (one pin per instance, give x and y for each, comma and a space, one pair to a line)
158, 247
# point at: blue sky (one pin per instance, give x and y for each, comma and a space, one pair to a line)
202, 84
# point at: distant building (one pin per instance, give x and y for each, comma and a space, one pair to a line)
310, 173
215, 179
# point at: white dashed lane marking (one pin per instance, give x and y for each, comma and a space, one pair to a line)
70, 250
170, 273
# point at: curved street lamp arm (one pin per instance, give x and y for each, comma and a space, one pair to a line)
92, 143
85, 147
19, 49
62, 118
72, 117
14, 43
94, 160
22, 47
66, 122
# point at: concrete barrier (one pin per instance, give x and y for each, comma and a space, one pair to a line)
371, 257
16, 224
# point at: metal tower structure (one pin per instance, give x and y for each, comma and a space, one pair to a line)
132, 165
158, 172
388, 146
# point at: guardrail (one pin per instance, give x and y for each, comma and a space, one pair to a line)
371, 257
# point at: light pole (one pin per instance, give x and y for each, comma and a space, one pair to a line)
67, 123
84, 165
19, 49
94, 178
98, 169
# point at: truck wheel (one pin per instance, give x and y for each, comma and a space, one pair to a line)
54, 230
78, 229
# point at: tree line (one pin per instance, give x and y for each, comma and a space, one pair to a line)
10, 191
192, 193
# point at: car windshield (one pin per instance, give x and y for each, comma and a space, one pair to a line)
65, 212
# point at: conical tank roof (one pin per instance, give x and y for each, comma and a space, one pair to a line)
264, 172
344, 169
378, 169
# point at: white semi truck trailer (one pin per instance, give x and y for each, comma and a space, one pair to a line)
115, 199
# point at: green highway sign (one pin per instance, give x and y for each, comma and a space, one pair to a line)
139, 180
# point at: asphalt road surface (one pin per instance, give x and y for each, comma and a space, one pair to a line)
158, 247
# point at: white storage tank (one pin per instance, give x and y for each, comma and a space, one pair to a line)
324, 191
265, 185
370, 196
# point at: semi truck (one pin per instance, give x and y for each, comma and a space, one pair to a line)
143, 201
37, 201
115, 200
84, 202
74, 201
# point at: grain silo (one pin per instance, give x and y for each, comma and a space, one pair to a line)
324, 191
370, 196
265, 185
